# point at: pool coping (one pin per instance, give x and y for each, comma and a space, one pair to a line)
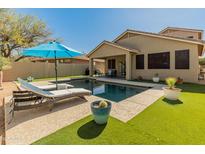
127, 82
110, 80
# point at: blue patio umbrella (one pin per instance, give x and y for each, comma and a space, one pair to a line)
51, 50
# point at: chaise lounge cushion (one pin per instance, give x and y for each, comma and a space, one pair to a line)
70, 92
33, 88
53, 86
60, 93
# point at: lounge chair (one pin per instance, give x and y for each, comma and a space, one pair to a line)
35, 97
53, 86
48, 87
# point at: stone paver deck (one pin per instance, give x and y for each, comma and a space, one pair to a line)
126, 82
130, 107
8, 87
31, 125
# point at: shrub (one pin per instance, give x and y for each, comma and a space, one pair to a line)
179, 80
156, 75
171, 82
87, 71
30, 79
103, 104
5, 63
139, 78
201, 61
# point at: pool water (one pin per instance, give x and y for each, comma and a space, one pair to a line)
110, 91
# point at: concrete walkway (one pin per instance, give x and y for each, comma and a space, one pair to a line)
132, 106
8, 87
31, 125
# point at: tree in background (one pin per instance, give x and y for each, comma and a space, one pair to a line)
4, 64
202, 61
20, 31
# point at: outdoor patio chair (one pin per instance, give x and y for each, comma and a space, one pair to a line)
112, 73
35, 97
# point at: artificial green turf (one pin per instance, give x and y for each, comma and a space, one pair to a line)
164, 122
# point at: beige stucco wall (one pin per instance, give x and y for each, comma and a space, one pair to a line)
107, 51
43, 70
183, 34
155, 45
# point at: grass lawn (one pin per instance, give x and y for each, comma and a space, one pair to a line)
164, 122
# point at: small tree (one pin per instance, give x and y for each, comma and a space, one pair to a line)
20, 31
4, 65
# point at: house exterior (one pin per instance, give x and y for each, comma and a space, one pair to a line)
171, 52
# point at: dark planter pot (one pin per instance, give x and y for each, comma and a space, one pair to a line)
100, 115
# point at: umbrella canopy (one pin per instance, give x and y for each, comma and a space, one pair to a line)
48, 51
51, 50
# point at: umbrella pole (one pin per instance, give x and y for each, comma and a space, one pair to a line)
56, 71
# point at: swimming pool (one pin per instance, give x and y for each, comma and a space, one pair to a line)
110, 91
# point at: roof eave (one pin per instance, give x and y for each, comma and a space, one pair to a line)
183, 29
112, 44
159, 36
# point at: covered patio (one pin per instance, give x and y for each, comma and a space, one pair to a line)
118, 59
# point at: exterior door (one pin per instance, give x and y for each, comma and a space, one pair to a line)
122, 68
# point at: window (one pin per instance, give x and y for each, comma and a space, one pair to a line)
182, 59
111, 64
159, 60
139, 61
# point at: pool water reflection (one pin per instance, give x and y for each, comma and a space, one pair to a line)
106, 90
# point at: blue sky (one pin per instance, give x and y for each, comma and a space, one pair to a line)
83, 29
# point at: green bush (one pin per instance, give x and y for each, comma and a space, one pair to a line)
156, 75
171, 82
202, 61
103, 104
30, 79
5, 63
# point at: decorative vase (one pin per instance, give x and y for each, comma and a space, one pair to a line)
155, 79
100, 114
171, 94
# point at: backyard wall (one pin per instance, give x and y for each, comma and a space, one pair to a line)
44, 70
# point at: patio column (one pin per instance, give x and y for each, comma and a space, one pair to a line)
91, 66
128, 66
